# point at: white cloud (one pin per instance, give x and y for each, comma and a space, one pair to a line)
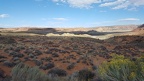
60, 19
113, 4
59, 1
79, 3
129, 19
102, 11
83, 3
4, 15
107, 0
123, 4
137, 2
59, 4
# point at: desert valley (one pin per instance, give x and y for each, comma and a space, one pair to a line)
71, 54
71, 40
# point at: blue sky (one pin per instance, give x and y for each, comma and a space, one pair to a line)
70, 13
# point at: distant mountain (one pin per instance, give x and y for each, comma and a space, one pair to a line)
117, 28
39, 30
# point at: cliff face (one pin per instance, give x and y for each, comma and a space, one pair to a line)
139, 30
141, 26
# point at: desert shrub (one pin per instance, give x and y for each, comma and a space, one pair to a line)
38, 62
27, 51
2, 73
8, 64
49, 65
17, 62
21, 47
84, 61
15, 58
91, 63
94, 67
10, 41
37, 52
18, 55
48, 58
58, 72
2, 60
6, 78
73, 77
17, 49
71, 66
31, 55
43, 67
121, 69
140, 68
85, 75
23, 72
2, 57
48, 52
13, 53
55, 55
26, 58
78, 61
7, 40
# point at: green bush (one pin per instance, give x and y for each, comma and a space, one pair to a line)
122, 69
22, 72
